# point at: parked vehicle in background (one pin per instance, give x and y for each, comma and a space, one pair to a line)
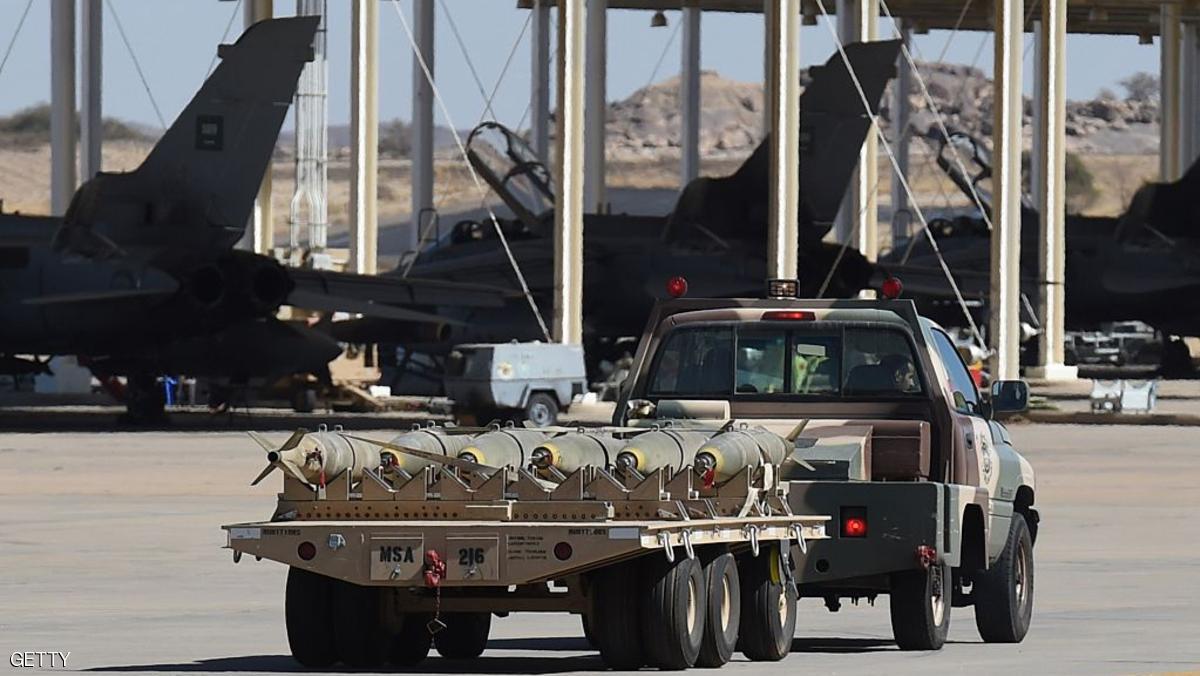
528, 381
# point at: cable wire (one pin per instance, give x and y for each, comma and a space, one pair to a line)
224, 36
136, 64
17, 31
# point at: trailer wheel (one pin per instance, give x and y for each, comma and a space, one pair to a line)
358, 628
588, 635
723, 617
465, 635
613, 619
410, 646
1004, 593
541, 409
308, 605
768, 619
920, 607
673, 607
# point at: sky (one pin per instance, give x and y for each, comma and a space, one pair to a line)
175, 41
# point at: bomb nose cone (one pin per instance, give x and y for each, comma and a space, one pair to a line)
627, 460
468, 456
705, 461
541, 458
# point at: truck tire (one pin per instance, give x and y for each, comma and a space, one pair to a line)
541, 409
724, 611
304, 400
465, 636
673, 606
768, 619
613, 619
307, 609
1004, 592
358, 628
920, 607
410, 646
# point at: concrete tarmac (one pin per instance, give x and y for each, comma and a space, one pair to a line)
110, 548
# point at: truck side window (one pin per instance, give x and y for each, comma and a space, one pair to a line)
966, 398
695, 362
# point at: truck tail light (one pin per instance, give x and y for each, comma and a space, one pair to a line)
854, 522
563, 551
306, 550
789, 316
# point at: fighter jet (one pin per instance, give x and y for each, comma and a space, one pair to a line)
1142, 265
715, 237
140, 277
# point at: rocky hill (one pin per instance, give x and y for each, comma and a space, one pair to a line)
646, 124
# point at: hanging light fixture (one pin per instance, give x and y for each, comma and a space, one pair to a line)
659, 20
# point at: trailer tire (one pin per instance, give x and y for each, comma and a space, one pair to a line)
588, 635
673, 606
465, 636
358, 627
768, 619
1004, 593
410, 646
724, 611
616, 632
308, 606
920, 607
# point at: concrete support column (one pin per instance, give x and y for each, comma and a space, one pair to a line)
569, 151
689, 97
783, 86
901, 139
422, 121
1050, 188
364, 130
539, 95
1189, 60
770, 62
1169, 79
1004, 302
596, 111
62, 105
856, 221
262, 221
91, 70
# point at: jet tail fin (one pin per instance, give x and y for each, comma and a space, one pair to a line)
204, 173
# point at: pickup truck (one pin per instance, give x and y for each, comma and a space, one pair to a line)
928, 499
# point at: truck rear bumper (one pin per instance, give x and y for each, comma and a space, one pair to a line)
897, 518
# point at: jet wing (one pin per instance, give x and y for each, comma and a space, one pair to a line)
98, 296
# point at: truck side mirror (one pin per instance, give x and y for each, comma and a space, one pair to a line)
1009, 396
639, 408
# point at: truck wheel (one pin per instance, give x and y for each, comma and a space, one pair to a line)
723, 616
1004, 593
768, 619
304, 400
920, 607
613, 619
308, 605
358, 628
410, 645
541, 410
465, 635
673, 606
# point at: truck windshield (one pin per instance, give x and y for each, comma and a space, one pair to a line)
832, 361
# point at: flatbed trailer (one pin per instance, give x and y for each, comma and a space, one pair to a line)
385, 564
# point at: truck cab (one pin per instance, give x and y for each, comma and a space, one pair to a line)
930, 501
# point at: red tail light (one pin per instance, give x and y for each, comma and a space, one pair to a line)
306, 551
563, 551
892, 288
788, 316
854, 522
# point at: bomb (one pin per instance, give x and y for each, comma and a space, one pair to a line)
731, 451
319, 457
506, 447
433, 440
572, 451
668, 448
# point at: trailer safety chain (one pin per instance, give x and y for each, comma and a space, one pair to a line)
752, 531
435, 571
687, 544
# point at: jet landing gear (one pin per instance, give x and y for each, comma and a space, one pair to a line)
145, 401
